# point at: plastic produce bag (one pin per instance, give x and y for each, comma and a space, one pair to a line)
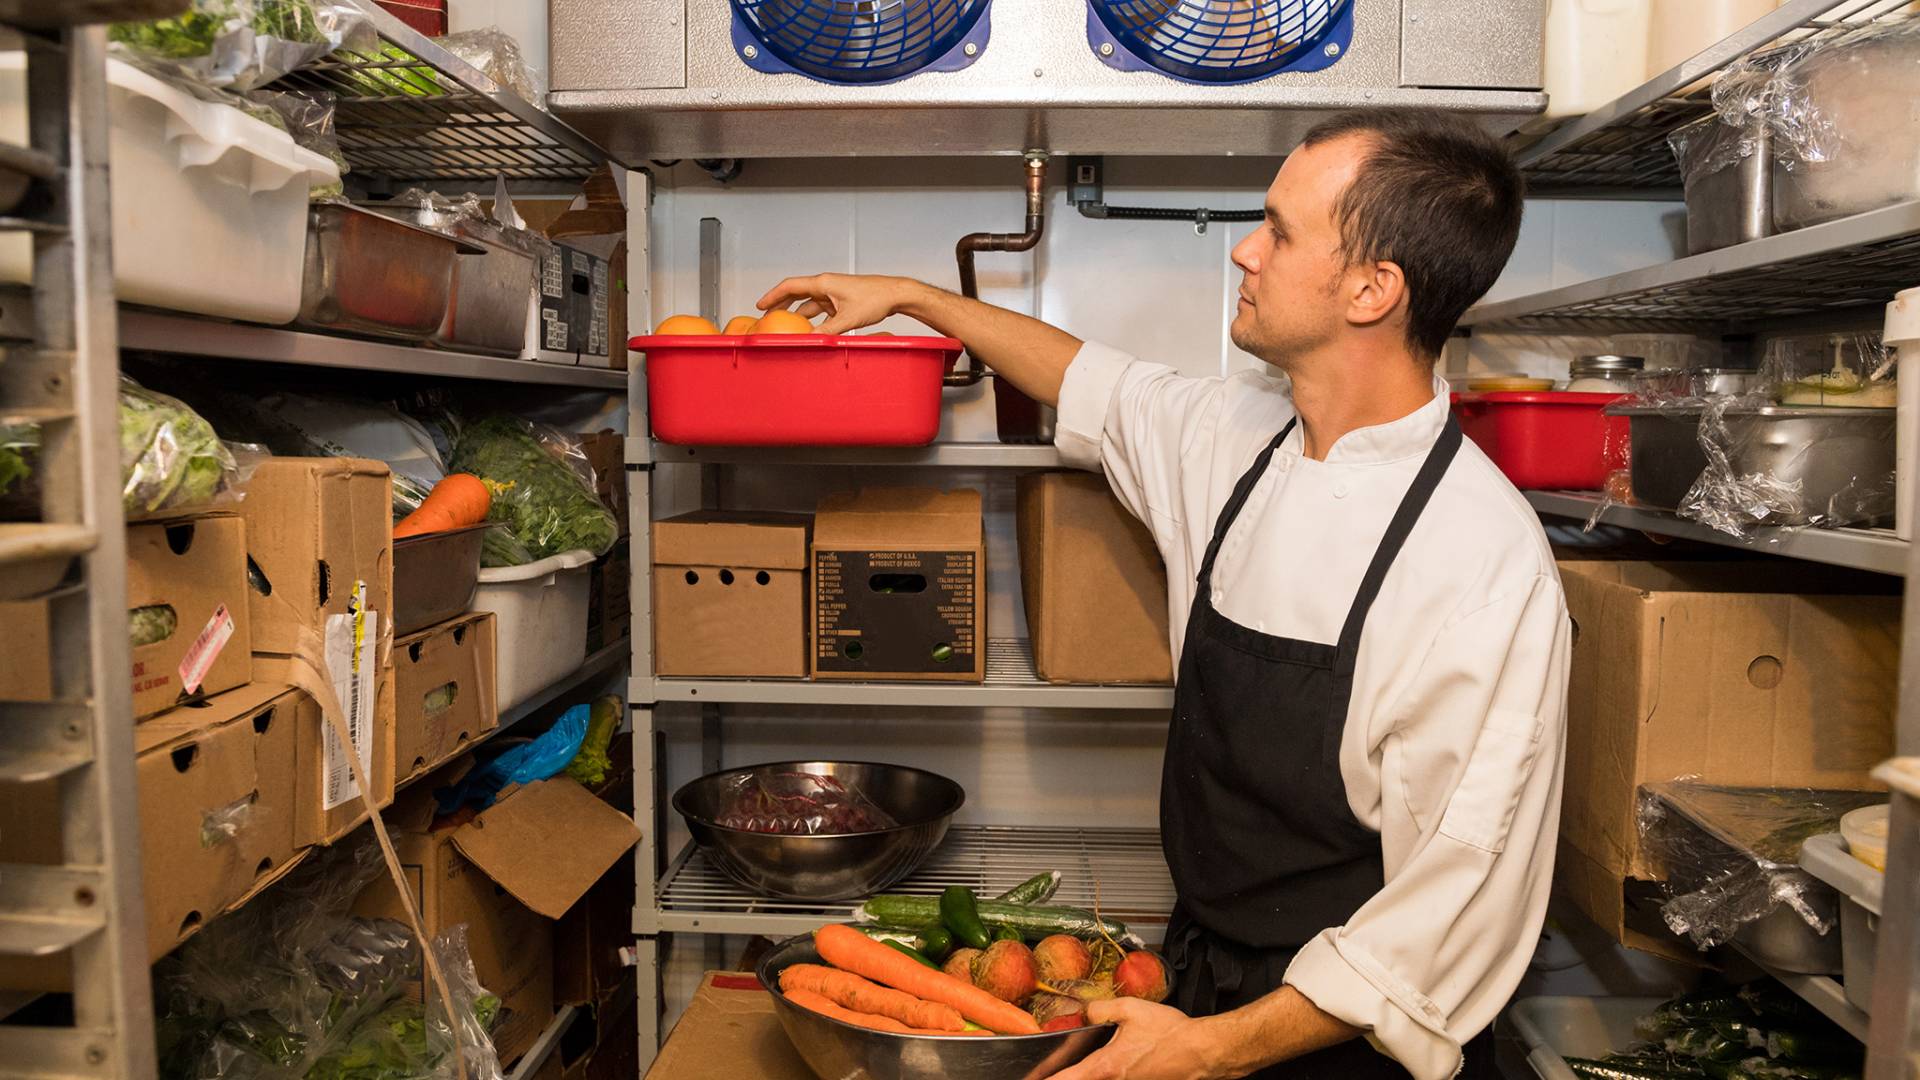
308, 117
542, 490
1732, 855
527, 763
292, 986
800, 804
498, 56
244, 44
170, 457
306, 425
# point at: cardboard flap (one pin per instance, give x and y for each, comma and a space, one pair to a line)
547, 843
760, 541
884, 518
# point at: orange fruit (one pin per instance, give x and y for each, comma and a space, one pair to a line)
739, 324
781, 321
685, 324
881, 333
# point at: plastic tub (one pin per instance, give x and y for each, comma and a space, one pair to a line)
1557, 1028
1596, 50
209, 204
1860, 887
541, 611
1550, 440
795, 389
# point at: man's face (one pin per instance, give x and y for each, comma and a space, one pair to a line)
1291, 300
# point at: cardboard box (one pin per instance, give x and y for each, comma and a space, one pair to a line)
195, 570
28, 673
1696, 670
729, 594
729, 1029
588, 968
1094, 585
899, 586
610, 595
606, 452
443, 692
215, 783
506, 874
320, 536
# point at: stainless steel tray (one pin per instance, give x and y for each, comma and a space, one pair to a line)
492, 297
371, 274
434, 577
1829, 450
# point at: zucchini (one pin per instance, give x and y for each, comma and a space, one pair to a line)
900, 946
1619, 1069
1037, 889
1816, 1047
1032, 920
961, 914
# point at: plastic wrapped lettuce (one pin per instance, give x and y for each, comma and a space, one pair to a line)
542, 490
16, 443
243, 44
170, 457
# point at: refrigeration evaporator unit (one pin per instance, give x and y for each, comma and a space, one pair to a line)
859, 42
1220, 41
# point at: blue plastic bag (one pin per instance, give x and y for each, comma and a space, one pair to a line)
527, 763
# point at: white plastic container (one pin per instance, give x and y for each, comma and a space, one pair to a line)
1596, 51
1557, 1028
1902, 333
1860, 887
541, 611
1679, 29
209, 204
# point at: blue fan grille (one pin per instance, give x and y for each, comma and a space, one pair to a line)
1220, 41
859, 41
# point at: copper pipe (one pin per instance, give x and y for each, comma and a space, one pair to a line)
985, 241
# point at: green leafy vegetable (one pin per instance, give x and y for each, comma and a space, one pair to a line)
548, 507
170, 456
183, 37
155, 622
14, 444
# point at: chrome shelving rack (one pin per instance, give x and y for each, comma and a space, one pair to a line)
65, 379
1843, 269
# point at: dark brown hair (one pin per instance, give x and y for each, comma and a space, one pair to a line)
1436, 195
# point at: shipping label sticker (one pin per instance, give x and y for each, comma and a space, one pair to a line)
205, 649
350, 663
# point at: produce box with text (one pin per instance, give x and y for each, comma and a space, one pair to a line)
899, 586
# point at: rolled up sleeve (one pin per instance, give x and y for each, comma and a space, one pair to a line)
1477, 753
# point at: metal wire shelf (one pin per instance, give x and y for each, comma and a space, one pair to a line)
416, 113
1131, 876
1623, 145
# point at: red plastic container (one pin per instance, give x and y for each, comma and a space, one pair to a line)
1549, 440
795, 389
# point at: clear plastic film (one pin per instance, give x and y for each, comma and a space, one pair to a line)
542, 489
307, 116
466, 215
799, 804
1731, 855
170, 456
293, 986
499, 58
242, 45
220, 824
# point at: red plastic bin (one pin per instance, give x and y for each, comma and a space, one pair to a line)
1547, 440
795, 389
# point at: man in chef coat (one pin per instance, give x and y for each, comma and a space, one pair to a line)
1362, 782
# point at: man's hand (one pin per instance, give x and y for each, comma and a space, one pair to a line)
1155, 1042
850, 301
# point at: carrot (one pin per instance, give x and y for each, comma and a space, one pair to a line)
807, 999
853, 992
458, 500
850, 950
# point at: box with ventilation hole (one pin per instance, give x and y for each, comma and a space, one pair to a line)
729, 594
899, 586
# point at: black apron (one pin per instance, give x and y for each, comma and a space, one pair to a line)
1254, 819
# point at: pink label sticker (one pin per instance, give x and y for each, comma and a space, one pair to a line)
205, 649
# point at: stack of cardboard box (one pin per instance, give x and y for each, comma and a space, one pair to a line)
609, 607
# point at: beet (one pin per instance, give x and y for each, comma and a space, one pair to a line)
1141, 975
1005, 970
1048, 1008
1061, 958
1099, 988
1065, 1023
960, 964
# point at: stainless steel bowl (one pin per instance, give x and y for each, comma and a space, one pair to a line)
837, 867
840, 1051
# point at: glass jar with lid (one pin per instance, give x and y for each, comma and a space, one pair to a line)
1607, 373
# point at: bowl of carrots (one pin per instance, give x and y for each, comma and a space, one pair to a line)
856, 1007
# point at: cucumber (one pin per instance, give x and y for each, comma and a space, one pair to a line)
1032, 920
961, 914
1037, 889
899, 946
933, 942
1612, 1069
936, 942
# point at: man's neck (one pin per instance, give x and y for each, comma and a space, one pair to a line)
1333, 400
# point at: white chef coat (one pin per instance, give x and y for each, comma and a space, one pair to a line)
1453, 745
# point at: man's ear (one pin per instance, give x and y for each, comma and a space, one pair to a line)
1375, 292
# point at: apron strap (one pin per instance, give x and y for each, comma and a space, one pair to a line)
1229, 512
1411, 506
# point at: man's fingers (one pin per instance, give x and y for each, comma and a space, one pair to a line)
1112, 1011
1099, 1066
811, 308
789, 290
838, 324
